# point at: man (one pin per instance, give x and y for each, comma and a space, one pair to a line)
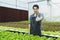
35, 21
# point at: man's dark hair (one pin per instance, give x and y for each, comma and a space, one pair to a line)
36, 6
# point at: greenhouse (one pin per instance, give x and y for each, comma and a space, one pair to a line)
15, 17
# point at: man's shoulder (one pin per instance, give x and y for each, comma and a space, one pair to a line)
31, 15
39, 13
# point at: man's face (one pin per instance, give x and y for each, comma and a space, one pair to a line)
35, 9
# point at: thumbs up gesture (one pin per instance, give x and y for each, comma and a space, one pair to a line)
38, 18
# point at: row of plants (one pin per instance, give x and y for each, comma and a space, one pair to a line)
14, 29
4, 35
47, 26
50, 26
52, 33
55, 33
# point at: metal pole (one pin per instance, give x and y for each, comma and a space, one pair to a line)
48, 2
16, 3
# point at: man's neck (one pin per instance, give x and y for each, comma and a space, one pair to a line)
36, 13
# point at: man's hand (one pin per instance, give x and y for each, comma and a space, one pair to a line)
39, 18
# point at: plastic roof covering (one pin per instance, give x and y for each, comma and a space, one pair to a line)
21, 3
29, 1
